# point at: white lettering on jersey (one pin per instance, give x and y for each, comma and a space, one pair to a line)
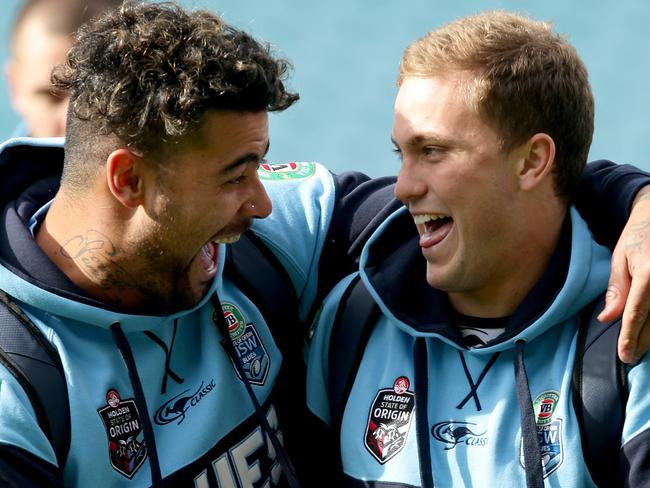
232, 469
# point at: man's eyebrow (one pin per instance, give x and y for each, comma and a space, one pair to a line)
246, 159
423, 138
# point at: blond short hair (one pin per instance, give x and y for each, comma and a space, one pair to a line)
526, 79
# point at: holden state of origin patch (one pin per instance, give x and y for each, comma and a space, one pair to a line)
389, 420
249, 347
549, 432
126, 447
286, 171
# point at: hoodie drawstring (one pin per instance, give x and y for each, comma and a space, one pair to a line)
281, 453
532, 455
473, 392
421, 368
168, 356
149, 438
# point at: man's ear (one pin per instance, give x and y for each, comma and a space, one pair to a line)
537, 158
124, 177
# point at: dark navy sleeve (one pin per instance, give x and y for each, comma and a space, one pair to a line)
605, 195
635, 461
21, 469
362, 204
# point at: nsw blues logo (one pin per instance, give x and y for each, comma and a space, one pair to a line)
549, 432
389, 420
249, 347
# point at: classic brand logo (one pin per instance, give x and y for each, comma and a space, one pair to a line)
549, 432
453, 433
177, 407
248, 346
286, 171
126, 448
389, 420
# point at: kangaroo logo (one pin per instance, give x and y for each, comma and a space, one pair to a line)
453, 433
177, 407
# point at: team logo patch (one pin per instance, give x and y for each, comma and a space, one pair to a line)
389, 420
286, 171
126, 448
549, 432
250, 350
177, 407
452, 433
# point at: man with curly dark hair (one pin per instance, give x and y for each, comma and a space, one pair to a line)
167, 126
179, 98
117, 253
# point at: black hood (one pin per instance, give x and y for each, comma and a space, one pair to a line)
30, 173
396, 270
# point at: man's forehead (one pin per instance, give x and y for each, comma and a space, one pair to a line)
34, 40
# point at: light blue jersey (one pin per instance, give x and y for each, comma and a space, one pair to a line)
418, 390
204, 424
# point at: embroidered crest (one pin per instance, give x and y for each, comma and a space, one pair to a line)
549, 432
286, 171
389, 420
126, 448
249, 347
544, 406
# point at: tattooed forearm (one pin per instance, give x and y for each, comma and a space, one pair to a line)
637, 229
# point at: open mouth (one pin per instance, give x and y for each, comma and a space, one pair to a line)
433, 228
208, 260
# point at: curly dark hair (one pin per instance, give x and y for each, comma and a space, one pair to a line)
148, 72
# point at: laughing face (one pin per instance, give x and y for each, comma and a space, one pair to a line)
205, 195
458, 185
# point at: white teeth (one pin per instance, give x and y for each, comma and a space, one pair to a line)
228, 239
424, 218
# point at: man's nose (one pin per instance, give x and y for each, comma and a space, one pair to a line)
409, 182
259, 205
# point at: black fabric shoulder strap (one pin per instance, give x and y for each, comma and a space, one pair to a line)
600, 395
257, 272
34, 362
353, 324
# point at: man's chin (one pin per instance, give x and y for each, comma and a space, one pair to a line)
186, 296
197, 292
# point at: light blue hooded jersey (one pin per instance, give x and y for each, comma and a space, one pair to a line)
203, 419
473, 430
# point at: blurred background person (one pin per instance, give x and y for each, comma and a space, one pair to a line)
40, 38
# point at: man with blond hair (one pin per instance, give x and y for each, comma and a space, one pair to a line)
463, 375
